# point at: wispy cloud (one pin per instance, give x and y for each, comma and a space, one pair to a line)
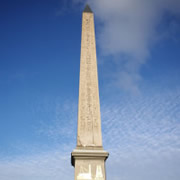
127, 29
142, 135
44, 166
153, 117
63, 125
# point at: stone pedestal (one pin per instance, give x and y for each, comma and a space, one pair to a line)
89, 164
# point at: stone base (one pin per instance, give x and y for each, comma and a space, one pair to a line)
89, 164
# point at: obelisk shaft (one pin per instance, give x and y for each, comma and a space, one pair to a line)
89, 157
89, 121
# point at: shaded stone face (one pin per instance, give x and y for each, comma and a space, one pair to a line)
89, 170
89, 121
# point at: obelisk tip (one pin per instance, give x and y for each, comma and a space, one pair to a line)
87, 9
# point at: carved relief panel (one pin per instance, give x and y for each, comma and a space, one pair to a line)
90, 170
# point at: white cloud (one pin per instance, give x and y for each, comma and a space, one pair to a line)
141, 133
44, 166
63, 125
127, 29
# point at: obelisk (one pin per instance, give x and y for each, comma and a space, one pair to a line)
89, 157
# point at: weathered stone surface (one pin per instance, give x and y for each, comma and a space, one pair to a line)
89, 157
89, 164
89, 121
87, 169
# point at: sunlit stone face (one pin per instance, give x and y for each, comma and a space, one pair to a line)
89, 157
89, 170
89, 120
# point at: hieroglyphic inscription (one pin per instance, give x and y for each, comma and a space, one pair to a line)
89, 130
90, 170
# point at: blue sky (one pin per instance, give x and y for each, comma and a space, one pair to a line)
138, 51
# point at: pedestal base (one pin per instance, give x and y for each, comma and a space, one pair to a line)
89, 164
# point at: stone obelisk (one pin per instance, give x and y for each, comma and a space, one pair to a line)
89, 157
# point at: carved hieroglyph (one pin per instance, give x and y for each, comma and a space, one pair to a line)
90, 170
89, 157
89, 121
